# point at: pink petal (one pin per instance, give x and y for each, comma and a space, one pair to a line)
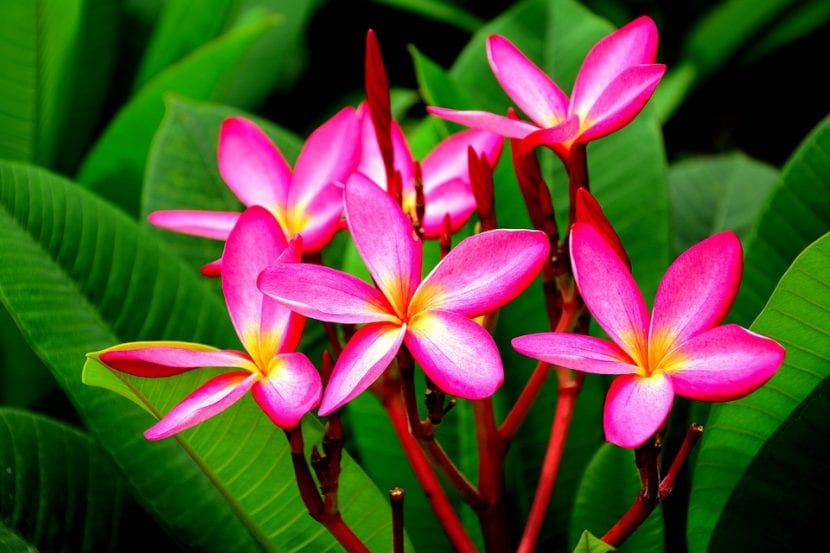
723, 364
362, 361
484, 272
208, 224
325, 294
589, 211
252, 165
254, 243
448, 160
633, 44
696, 292
527, 85
160, 359
456, 353
621, 101
385, 240
318, 221
558, 138
609, 291
371, 161
575, 351
329, 155
499, 124
210, 399
291, 389
454, 198
635, 408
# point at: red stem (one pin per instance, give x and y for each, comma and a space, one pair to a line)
396, 498
491, 452
577, 176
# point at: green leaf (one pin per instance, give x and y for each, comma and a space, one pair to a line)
589, 543
182, 171
608, 488
806, 18
115, 166
82, 276
24, 380
58, 490
445, 12
712, 194
742, 438
797, 214
55, 59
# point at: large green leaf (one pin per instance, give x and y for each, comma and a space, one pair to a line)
712, 194
115, 166
55, 58
742, 439
798, 213
80, 276
58, 490
446, 12
608, 488
23, 378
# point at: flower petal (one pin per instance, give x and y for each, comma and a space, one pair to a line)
621, 101
723, 364
499, 124
635, 408
609, 291
590, 212
371, 161
454, 198
362, 361
385, 240
208, 224
160, 359
484, 272
456, 353
255, 242
252, 165
558, 138
291, 389
696, 292
448, 160
575, 351
527, 85
325, 294
210, 399
633, 44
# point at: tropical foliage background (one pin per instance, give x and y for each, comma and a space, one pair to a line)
110, 110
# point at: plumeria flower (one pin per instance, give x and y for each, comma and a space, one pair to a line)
431, 316
284, 384
615, 81
679, 349
308, 200
444, 173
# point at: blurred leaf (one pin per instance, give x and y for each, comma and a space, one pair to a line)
55, 59
445, 12
716, 193
806, 17
82, 276
608, 488
742, 438
58, 490
115, 166
797, 213
589, 543
182, 171
23, 378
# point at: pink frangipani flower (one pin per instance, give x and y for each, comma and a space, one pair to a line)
431, 316
679, 349
284, 384
308, 200
614, 83
444, 172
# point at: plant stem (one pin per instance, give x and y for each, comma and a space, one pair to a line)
491, 452
577, 176
331, 520
396, 497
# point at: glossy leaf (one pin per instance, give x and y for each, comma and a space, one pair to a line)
114, 167
58, 490
797, 214
226, 485
712, 194
742, 437
608, 488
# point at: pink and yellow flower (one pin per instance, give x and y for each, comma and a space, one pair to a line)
614, 83
679, 349
307, 200
284, 384
431, 316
